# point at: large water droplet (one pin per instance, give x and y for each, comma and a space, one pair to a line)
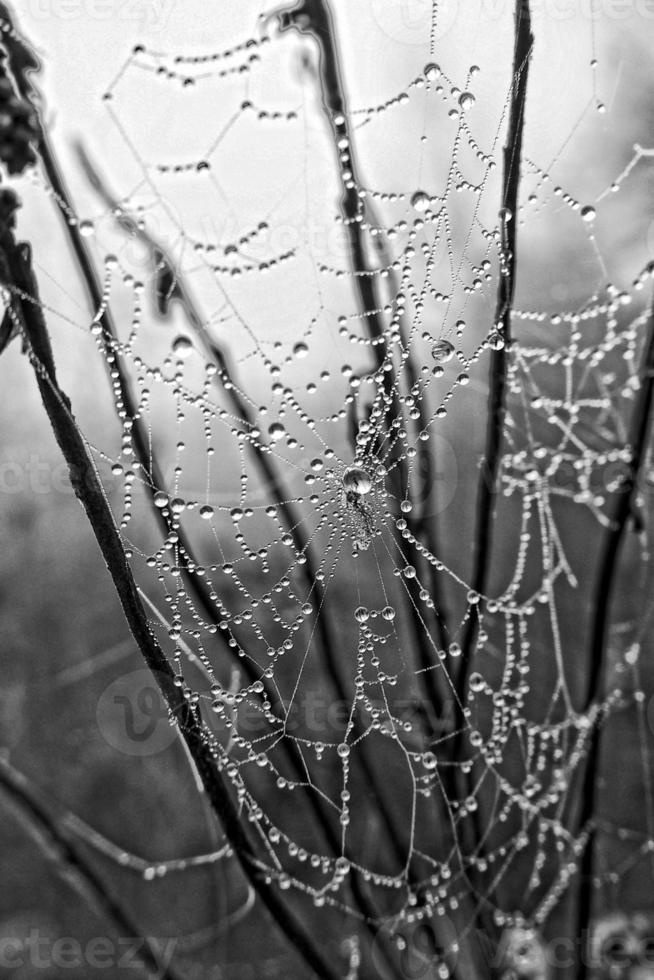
357, 480
182, 346
495, 340
477, 683
420, 201
466, 100
276, 431
442, 351
300, 350
588, 213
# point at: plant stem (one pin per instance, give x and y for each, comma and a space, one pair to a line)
18, 276
485, 518
499, 358
315, 18
601, 611
197, 587
330, 645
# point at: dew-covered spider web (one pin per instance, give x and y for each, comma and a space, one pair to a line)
302, 266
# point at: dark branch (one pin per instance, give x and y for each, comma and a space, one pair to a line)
499, 358
601, 610
17, 275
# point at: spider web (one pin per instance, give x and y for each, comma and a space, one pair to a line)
313, 398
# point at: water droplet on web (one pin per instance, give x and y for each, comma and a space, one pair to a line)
276, 431
466, 100
442, 351
300, 350
361, 614
206, 512
357, 480
236, 513
505, 215
316, 464
432, 71
409, 572
160, 499
388, 613
182, 346
476, 683
495, 340
588, 213
86, 228
342, 866
420, 201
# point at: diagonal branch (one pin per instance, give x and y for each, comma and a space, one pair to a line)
315, 17
17, 275
179, 290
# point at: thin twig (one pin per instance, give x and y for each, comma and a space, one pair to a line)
523, 45
315, 17
499, 358
154, 478
624, 508
18, 276
75, 869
